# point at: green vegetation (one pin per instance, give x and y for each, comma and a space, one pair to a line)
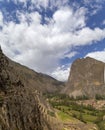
68, 110
100, 97
51, 113
65, 97
63, 116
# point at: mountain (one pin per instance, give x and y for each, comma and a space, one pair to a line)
41, 82
87, 77
22, 106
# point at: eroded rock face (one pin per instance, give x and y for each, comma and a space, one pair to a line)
87, 77
21, 112
21, 105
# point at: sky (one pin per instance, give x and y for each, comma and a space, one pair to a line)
48, 35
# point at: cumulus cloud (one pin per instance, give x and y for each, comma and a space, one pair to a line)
98, 55
88, 36
41, 46
66, 19
61, 73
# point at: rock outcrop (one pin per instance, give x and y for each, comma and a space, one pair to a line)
22, 106
87, 77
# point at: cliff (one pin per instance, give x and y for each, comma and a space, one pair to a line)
87, 77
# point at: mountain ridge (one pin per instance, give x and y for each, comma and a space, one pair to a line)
22, 106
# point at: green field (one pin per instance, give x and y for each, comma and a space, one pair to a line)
69, 111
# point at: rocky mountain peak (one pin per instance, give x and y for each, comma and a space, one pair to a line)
87, 77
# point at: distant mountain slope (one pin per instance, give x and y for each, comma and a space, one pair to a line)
87, 77
22, 107
40, 81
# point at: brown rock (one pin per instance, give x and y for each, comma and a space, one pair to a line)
22, 107
86, 78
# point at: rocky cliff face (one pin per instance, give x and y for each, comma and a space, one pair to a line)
21, 104
87, 77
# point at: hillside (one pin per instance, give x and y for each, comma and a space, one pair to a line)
41, 82
22, 106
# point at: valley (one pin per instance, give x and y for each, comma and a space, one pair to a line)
75, 114
34, 101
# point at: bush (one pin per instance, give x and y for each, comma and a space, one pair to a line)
99, 97
84, 97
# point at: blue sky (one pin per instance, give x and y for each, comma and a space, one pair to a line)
48, 35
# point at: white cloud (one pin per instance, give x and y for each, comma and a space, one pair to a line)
98, 55
42, 46
65, 19
33, 18
43, 3
61, 73
71, 54
88, 36
56, 3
